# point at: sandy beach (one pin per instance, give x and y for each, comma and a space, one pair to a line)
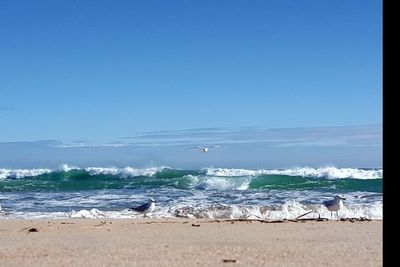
150, 242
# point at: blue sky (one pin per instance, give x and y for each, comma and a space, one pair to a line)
79, 76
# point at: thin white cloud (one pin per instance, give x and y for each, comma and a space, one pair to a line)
86, 145
369, 135
245, 147
354, 136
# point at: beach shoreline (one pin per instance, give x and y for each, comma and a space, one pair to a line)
189, 242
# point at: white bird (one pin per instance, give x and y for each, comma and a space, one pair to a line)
205, 149
146, 207
334, 205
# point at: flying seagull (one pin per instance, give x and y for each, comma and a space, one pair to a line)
205, 149
146, 207
334, 205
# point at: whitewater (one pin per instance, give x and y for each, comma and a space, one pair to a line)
212, 193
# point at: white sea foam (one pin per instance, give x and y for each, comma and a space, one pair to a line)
373, 211
288, 210
121, 172
124, 172
66, 168
232, 172
219, 183
88, 214
327, 172
334, 173
21, 173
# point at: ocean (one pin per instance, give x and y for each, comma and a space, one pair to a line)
209, 193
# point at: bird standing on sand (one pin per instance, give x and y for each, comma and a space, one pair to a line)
146, 207
205, 149
334, 205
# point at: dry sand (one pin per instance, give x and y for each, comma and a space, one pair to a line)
86, 242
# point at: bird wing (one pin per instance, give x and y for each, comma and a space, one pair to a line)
328, 203
141, 207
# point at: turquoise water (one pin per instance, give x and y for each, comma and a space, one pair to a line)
209, 192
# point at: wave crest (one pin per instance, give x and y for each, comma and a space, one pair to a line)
21, 173
327, 172
65, 168
124, 172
